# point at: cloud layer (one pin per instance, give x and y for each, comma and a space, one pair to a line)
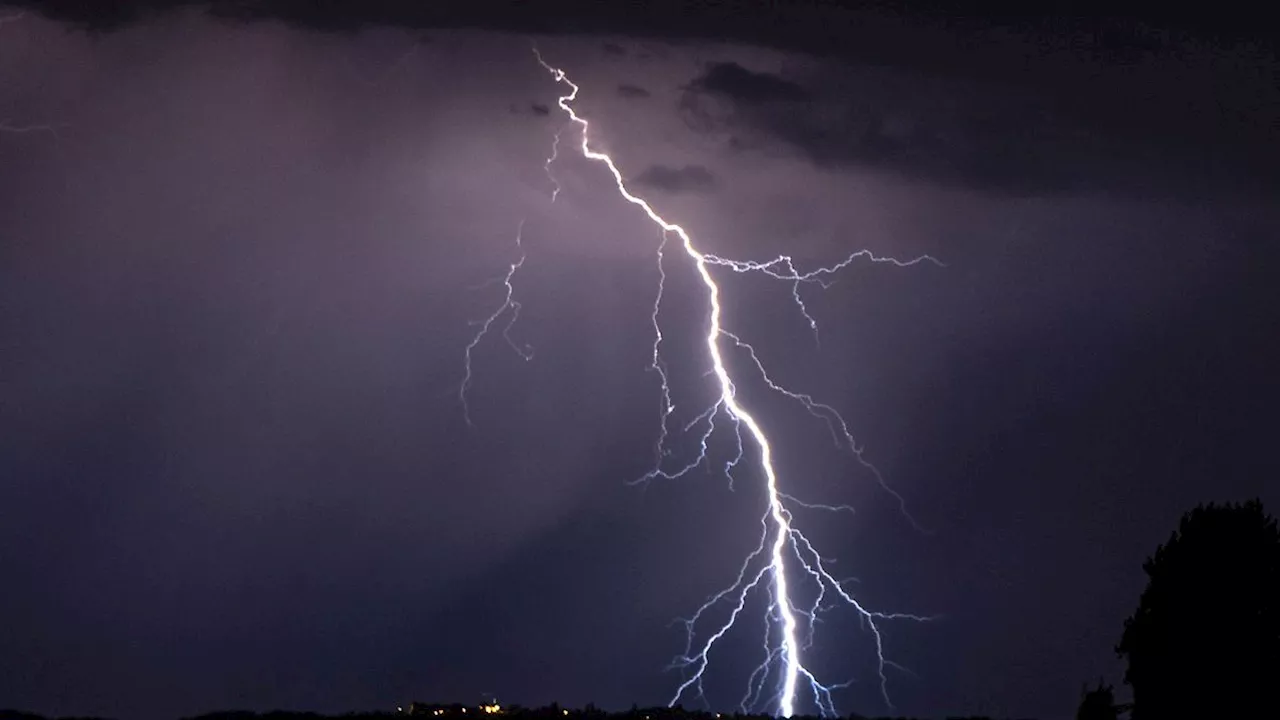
981, 136
687, 178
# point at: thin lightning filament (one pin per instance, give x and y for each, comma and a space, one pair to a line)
781, 543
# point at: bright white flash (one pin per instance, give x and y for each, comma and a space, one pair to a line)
789, 628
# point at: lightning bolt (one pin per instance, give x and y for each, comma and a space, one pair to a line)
555, 153
780, 541
509, 307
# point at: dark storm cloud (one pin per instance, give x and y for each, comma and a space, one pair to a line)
879, 33
1164, 103
945, 139
534, 108
632, 91
614, 49
748, 87
689, 178
991, 139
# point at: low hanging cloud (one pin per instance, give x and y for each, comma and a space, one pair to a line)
737, 83
633, 91
979, 137
689, 178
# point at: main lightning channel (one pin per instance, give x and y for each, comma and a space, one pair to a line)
777, 518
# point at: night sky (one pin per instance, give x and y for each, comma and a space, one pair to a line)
240, 259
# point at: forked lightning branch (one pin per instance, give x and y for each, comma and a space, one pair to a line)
784, 559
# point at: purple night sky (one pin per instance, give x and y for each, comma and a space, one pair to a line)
238, 267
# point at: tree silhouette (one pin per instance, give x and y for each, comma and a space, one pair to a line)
1098, 704
1205, 639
